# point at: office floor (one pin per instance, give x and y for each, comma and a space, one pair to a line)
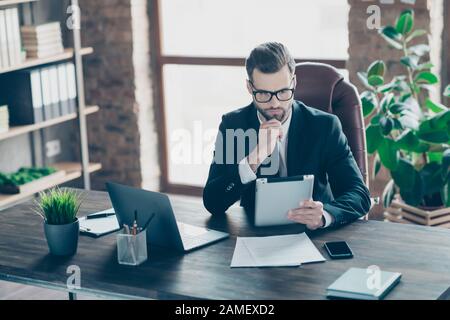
13, 291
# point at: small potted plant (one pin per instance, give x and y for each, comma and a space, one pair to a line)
59, 209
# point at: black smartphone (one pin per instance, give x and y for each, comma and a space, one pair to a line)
338, 250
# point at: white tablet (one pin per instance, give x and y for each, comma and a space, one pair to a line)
274, 197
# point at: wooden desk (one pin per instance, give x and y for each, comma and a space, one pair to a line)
421, 254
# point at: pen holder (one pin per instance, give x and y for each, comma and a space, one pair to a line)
131, 249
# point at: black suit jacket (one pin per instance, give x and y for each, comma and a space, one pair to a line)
316, 145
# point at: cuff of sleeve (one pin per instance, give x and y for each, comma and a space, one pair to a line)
245, 172
328, 219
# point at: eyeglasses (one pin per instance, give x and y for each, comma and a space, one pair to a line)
263, 96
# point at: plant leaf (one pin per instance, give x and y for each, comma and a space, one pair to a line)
414, 196
409, 122
391, 36
376, 166
377, 68
373, 137
375, 120
434, 106
425, 66
388, 154
419, 50
369, 102
410, 61
435, 129
446, 163
398, 107
387, 101
386, 124
447, 91
410, 142
405, 175
431, 175
405, 23
391, 33
415, 34
375, 81
426, 77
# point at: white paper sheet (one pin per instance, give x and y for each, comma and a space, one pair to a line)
276, 251
100, 226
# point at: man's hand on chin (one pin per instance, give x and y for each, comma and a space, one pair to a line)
309, 213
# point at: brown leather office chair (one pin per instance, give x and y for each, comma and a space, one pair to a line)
322, 87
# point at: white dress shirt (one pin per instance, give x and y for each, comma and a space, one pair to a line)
247, 175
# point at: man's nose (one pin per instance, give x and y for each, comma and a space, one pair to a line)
274, 102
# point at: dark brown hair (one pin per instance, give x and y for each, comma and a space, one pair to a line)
269, 57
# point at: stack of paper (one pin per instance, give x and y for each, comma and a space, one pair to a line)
4, 119
42, 40
277, 251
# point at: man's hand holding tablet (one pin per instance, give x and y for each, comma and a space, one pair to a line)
309, 213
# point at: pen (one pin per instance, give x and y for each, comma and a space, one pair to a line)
148, 222
100, 215
135, 226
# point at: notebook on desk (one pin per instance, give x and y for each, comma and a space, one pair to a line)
100, 226
358, 283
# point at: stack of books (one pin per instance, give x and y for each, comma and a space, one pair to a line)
10, 44
42, 40
4, 119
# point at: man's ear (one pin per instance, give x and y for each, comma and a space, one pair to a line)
249, 87
295, 81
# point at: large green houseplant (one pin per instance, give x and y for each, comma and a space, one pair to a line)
408, 132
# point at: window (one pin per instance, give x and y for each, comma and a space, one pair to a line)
202, 48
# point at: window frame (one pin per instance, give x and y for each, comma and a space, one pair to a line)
158, 62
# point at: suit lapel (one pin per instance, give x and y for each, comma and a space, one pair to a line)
295, 140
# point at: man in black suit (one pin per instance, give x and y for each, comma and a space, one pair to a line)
278, 136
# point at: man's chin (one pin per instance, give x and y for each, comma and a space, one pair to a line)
269, 117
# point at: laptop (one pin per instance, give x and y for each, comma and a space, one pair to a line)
163, 230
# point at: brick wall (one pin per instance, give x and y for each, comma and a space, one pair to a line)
366, 45
122, 135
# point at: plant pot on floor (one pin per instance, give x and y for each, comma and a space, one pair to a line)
62, 239
399, 211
